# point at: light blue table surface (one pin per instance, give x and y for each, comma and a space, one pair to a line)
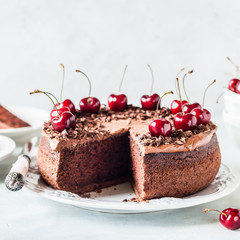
26, 215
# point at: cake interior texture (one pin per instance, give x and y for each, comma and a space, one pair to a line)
114, 149
9, 120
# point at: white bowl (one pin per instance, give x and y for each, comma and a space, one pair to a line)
233, 125
232, 103
35, 117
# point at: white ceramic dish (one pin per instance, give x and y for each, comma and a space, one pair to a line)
110, 200
7, 146
232, 103
35, 117
232, 122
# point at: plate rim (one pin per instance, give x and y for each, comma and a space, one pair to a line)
11, 141
134, 207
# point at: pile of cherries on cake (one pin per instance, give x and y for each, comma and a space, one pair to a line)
186, 115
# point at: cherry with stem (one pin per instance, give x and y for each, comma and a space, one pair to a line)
89, 104
160, 126
64, 119
203, 115
118, 102
176, 105
184, 121
149, 102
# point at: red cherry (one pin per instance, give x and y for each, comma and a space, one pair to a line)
54, 113
187, 108
66, 121
67, 103
185, 122
117, 102
203, 115
237, 89
160, 127
150, 102
176, 106
232, 84
230, 218
89, 105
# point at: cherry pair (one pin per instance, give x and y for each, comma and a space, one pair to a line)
62, 117
229, 218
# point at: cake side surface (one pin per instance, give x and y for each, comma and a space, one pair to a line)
175, 174
9, 120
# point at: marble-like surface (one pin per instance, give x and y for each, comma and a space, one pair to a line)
101, 36
25, 215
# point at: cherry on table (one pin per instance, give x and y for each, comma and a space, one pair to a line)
64, 122
160, 127
118, 102
229, 218
89, 104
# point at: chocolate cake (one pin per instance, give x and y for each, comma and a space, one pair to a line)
9, 120
112, 147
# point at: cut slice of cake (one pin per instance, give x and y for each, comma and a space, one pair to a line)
9, 120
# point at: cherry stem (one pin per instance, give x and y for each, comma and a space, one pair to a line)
189, 72
47, 94
207, 210
124, 72
151, 89
235, 65
160, 99
179, 92
204, 95
182, 69
90, 86
63, 78
221, 95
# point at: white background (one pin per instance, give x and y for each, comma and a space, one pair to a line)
101, 36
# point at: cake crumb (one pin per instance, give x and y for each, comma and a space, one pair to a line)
114, 189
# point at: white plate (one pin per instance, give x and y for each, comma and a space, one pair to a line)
35, 117
111, 199
7, 146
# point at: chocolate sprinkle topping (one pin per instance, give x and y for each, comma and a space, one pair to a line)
90, 126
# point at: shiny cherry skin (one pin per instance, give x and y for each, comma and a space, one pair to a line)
230, 218
117, 102
65, 122
150, 102
185, 122
54, 113
232, 84
203, 115
160, 127
90, 105
176, 106
67, 103
237, 89
187, 108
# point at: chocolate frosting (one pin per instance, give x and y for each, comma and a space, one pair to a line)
95, 127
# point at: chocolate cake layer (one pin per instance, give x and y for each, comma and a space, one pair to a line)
86, 167
174, 174
9, 120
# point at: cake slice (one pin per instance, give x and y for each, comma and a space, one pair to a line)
9, 120
175, 166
